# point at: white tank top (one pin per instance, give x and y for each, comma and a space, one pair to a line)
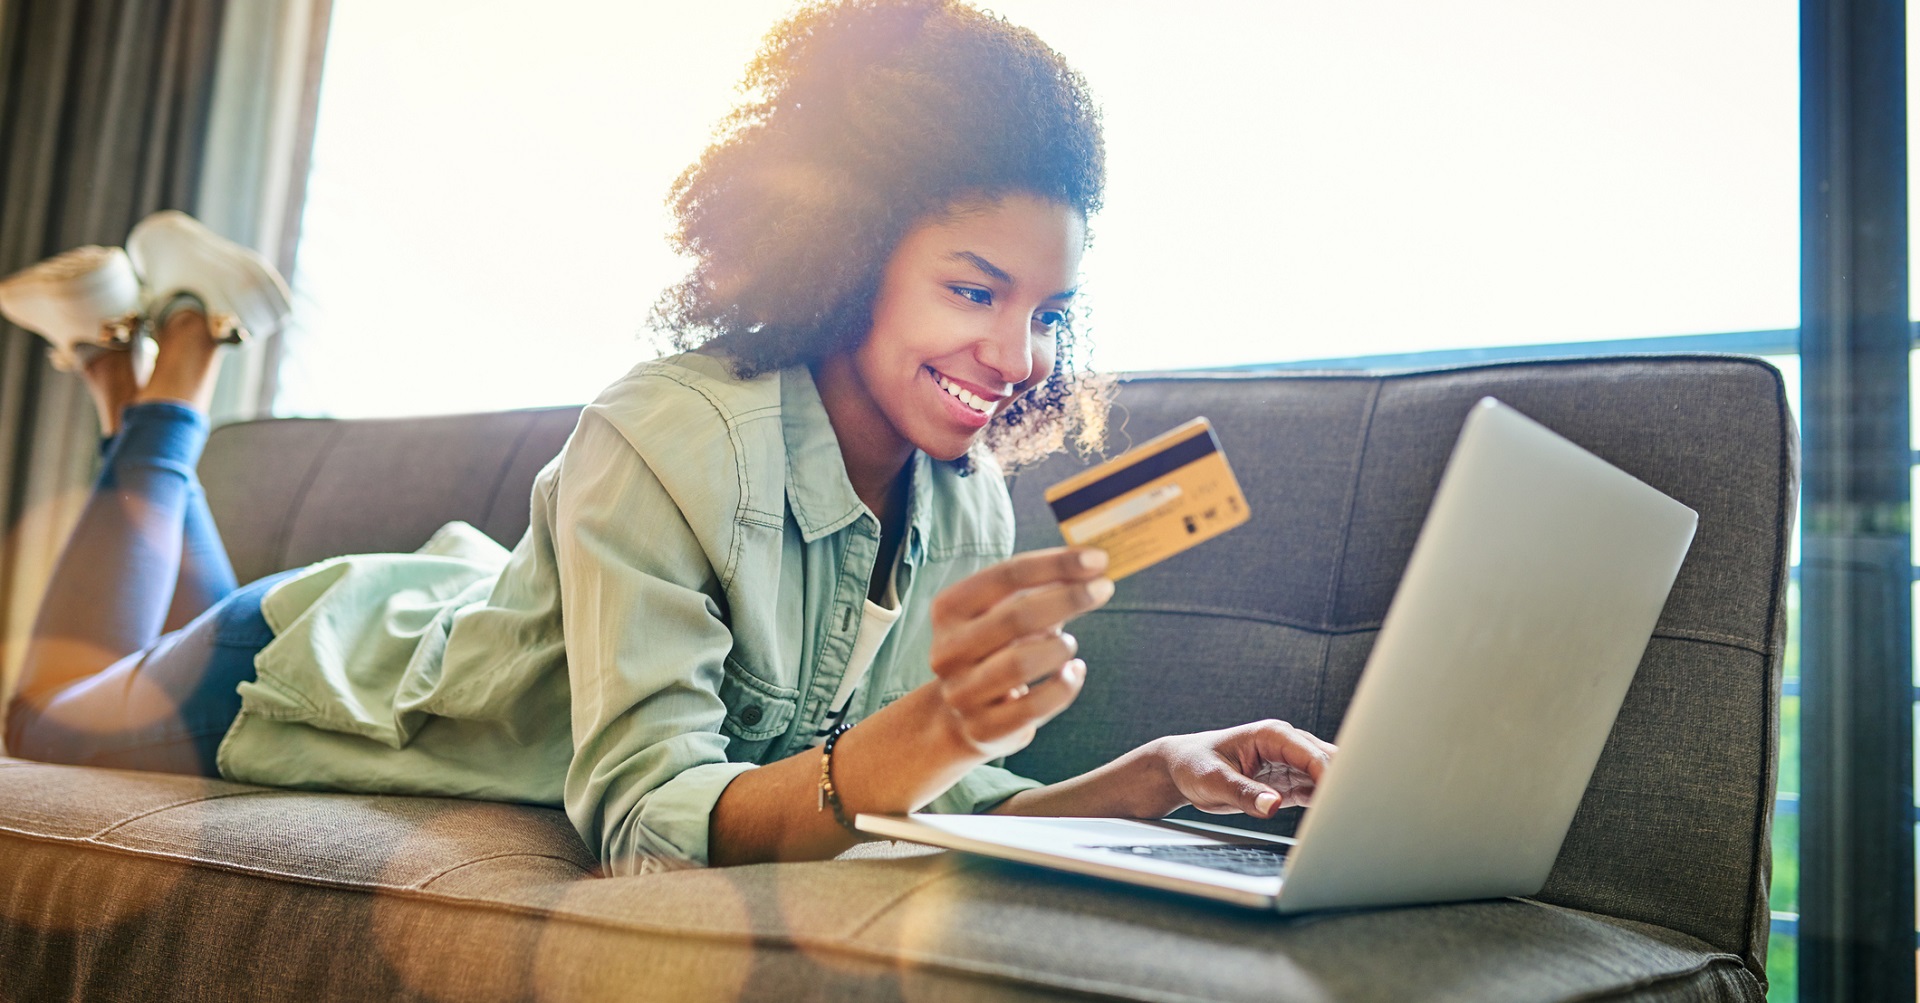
875, 621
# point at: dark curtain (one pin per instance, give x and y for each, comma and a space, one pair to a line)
103, 116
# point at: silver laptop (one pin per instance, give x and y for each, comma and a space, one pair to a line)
1527, 603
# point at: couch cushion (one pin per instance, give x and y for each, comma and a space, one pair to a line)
121, 884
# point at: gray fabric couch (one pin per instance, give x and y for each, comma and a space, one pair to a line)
127, 885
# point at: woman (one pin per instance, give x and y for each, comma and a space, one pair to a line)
794, 527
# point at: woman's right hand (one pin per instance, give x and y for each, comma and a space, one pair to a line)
1002, 662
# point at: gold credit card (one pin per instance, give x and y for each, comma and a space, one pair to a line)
1152, 501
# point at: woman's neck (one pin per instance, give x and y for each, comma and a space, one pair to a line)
876, 456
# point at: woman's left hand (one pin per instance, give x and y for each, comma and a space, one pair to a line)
1256, 768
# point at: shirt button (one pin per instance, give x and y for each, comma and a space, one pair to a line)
750, 716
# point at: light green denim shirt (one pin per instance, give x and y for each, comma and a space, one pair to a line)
681, 609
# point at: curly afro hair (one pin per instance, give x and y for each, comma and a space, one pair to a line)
862, 119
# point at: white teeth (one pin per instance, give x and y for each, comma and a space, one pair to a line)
961, 394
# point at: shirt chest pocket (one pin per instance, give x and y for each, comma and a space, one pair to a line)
758, 712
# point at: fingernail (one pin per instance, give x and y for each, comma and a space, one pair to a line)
1101, 589
1265, 803
1093, 560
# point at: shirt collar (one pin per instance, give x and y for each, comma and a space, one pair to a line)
919, 509
818, 488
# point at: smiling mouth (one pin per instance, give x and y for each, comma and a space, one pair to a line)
976, 403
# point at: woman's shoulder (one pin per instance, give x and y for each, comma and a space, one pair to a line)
700, 429
691, 402
686, 391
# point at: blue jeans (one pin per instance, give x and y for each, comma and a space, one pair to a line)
143, 635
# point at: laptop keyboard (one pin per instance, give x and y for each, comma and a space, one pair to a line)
1259, 861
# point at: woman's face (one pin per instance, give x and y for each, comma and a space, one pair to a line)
964, 323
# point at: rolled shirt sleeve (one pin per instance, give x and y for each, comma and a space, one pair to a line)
980, 790
646, 644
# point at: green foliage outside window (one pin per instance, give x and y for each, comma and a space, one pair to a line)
1783, 951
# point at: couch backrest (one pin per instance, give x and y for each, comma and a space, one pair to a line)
291, 491
1277, 618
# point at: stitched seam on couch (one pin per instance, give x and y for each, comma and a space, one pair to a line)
1091, 988
999, 973
1338, 565
437, 875
1708, 960
1648, 982
528, 421
1130, 992
888, 906
1114, 990
243, 870
157, 809
299, 502
1338, 572
1759, 915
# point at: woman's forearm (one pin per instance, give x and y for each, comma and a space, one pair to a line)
896, 761
1136, 785
1256, 768
1002, 666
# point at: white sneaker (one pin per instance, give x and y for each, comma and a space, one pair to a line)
175, 253
83, 301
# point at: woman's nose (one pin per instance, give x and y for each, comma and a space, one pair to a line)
1007, 353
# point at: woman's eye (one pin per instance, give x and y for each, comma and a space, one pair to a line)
984, 297
1050, 319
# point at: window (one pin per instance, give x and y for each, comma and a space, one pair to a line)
485, 221
484, 218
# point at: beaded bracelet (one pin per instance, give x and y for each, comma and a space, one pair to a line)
829, 796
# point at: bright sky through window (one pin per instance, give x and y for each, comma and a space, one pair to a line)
1287, 180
